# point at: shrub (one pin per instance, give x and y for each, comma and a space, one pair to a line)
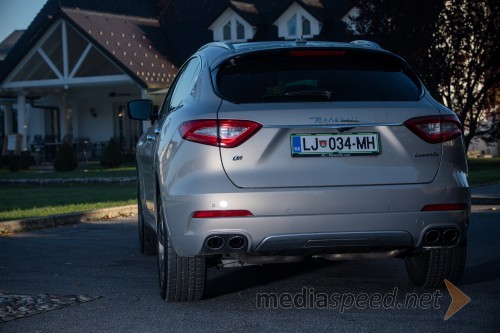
4, 161
112, 156
26, 160
14, 163
65, 159
17, 162
129, 157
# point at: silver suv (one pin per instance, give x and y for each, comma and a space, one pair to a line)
275, 152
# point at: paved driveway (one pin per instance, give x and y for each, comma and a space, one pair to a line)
93, 277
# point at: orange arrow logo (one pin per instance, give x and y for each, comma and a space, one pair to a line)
458, 299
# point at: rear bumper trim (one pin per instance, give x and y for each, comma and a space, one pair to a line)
338, 239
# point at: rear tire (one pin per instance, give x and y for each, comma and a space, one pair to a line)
180, 278
432, 267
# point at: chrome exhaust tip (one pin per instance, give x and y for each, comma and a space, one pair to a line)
450, 235
432, 236
237, 242
215, 242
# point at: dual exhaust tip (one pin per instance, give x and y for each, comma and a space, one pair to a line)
225, 244
437, 237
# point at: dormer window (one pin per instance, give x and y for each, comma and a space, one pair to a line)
231, 27
296, 22
306, 26
226, 31
291, 25
240, 30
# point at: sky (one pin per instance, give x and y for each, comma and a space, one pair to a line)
17, 15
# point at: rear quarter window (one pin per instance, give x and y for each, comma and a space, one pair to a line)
316, 75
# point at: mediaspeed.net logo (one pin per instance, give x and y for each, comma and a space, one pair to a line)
308, 298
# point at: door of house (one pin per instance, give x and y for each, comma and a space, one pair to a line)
126, 130
52, 125
52, 136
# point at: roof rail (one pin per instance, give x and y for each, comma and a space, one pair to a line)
367, 43
225, 45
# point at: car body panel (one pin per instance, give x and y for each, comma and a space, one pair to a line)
400, 160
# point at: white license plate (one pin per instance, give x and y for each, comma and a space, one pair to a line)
348, 144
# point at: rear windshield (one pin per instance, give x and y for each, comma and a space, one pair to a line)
316, 75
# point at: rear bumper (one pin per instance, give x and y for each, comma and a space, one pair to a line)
317, 233
315, 219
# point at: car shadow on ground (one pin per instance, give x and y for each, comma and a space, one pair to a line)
230, 280
485, 272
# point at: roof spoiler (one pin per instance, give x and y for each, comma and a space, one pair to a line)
225, 45
366, 43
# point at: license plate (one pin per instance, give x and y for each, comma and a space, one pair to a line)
335, 145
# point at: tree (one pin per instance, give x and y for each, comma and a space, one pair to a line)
466, 44
452, 44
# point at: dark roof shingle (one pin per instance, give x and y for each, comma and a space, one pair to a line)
136, 42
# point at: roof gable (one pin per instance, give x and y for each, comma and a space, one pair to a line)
230, 26
297, 22
54, 61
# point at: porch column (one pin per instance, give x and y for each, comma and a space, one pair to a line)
66, 118
147, 123
21, 119
7, 117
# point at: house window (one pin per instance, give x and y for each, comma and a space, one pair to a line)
233, 31
231, 27
298, 26
306, 26
240, 31
292, 25
297, 22
226, 31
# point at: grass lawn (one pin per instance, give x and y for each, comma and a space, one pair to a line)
484, 170
51, 200
89, 172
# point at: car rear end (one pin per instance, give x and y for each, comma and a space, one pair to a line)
323, 149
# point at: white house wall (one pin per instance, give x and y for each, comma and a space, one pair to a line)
98, 129
36, 122
101, 127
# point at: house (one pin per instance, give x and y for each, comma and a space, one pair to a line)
8, 43
71, 73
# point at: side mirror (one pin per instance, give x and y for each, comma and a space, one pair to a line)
140, 109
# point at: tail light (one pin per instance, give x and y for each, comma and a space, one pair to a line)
444, 207
436, 129
220, 213
224, 133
